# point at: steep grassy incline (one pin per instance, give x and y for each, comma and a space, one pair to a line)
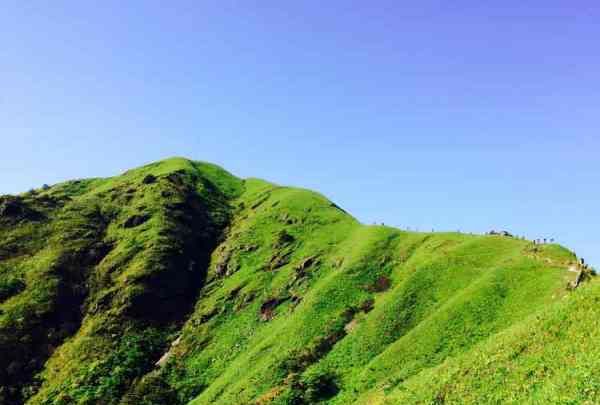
178, 283
99, 273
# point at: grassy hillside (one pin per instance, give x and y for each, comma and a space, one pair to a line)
551, 357
179, 283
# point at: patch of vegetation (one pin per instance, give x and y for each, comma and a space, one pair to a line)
107, 379
10, 286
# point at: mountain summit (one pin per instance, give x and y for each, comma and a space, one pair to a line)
178, 283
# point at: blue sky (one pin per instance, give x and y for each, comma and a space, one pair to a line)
446, 115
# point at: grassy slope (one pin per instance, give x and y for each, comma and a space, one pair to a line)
299, 303
550, 357
447, 292
109, 274
441, 302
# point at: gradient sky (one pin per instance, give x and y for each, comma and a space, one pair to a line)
462, 115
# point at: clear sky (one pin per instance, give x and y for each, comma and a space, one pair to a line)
467, 115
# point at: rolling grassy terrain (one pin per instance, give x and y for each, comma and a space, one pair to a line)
179, 283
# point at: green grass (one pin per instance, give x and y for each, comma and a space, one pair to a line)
274, 295
549, 357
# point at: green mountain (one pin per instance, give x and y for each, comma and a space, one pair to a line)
179, 283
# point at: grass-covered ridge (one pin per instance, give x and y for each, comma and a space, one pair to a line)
178, 283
